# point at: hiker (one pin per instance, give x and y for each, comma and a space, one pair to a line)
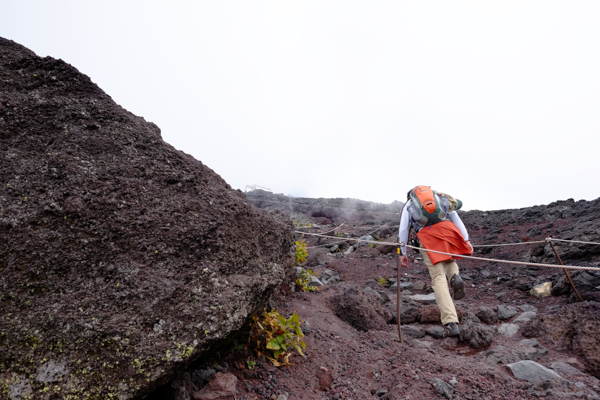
433, 218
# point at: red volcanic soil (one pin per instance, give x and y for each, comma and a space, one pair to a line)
344, 363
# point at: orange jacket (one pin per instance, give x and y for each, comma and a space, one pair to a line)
443, 236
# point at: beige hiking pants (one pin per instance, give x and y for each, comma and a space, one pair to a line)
439, 273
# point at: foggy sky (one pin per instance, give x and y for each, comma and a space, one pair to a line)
495, 103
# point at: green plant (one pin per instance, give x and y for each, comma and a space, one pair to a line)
301, 251
274, 335
339, 234
382, 281
251, 364
300, 224
303, 281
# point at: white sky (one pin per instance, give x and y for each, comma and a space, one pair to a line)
496, 103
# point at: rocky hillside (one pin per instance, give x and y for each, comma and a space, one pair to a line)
566, 219
513, 344
122, 260
326, 211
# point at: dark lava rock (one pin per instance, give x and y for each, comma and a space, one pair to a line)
573, 327
409, 311
443, 388
532, 349
201, 376
180, 388
524, 284
504, 355
584, 281
506, 312
487, 315
476, 334
430, 314
359, 310
337, 210
562, 285
122, 259
325, 379
466, 316
388, 248
413, 331
435, 332
526, 349
222, 386
560, 389
586, 296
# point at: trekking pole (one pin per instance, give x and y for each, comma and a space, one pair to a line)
398, 290
549, 240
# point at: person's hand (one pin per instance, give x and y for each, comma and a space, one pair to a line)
471, 246
404, 261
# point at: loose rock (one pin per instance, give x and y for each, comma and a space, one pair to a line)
486, 314
542, 290
532, 349
221, 387
508, 329
354, 307
435, 332
532, 371
476, 334
564, 368
443, 388
424, 298
413, 331
506, 312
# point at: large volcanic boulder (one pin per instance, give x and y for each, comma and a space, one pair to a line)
121, 259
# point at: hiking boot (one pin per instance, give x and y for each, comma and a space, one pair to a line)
451, 330
458, 286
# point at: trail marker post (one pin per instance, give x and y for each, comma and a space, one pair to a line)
398, 290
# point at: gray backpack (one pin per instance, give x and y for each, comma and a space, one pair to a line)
427, 206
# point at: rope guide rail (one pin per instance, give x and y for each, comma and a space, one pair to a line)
548, 240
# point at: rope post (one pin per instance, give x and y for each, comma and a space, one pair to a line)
352, 263
549, 240
398, 290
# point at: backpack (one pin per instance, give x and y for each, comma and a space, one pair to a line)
428, 206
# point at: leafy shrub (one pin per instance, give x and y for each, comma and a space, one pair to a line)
299, 224
301, 251
303, 281
275, 335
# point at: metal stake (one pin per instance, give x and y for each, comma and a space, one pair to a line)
398, 290
549, 240
352, 263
